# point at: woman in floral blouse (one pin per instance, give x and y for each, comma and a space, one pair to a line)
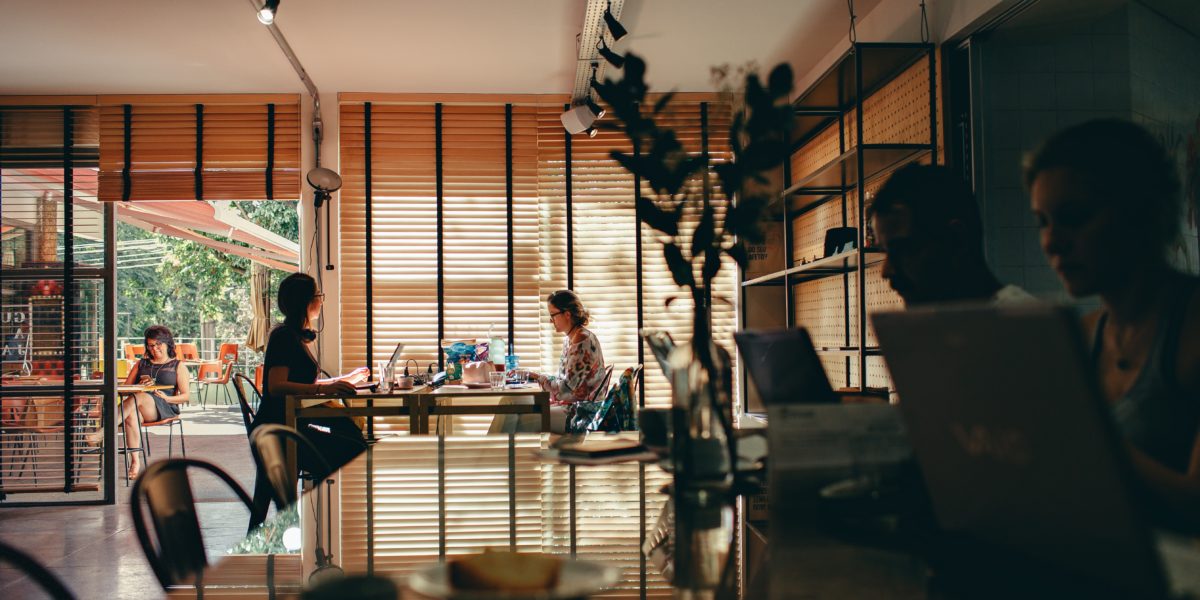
581, 366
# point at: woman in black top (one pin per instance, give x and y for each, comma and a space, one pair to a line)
290, 368
158, 367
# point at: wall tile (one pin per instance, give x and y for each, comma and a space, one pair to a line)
1004, 129
1037, 91
1110, 54
1037, 125
1073, 54
1073, 90
1111, 91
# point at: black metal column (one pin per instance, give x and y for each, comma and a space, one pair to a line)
68, 299
368, 205
441, 261
508, 186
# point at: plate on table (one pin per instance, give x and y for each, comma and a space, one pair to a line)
480, 385
577, 579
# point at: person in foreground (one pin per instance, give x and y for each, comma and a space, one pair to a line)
581, 364
1108, 203
290, 368
158, 367
928, 225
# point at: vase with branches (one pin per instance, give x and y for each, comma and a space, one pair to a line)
725, 220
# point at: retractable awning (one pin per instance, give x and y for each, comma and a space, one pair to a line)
181, 219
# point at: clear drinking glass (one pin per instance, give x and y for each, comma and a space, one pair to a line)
496, 378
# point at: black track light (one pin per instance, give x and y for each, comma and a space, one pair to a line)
614, 59
596, 108
266, 16
614, 26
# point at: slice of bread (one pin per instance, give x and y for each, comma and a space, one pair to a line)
505, 571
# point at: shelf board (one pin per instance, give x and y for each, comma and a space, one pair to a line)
837, 264
881, 62
841, 174
850, 351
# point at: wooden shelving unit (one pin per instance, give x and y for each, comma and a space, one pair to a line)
835, 107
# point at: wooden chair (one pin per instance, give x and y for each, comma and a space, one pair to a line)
26, 564
134, 352
176, 551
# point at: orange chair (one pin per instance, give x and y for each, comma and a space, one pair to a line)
187, 352
225, 372
134, 352
228, 353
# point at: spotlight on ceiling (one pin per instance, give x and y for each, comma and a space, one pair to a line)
595, 108
614, 59
266, 16
614, 26
592, 131
578, 119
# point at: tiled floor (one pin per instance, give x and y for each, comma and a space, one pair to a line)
94, 549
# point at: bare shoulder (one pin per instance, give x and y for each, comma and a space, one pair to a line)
1189, 339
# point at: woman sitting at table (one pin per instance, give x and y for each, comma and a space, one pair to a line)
581, 364
159, 366
290, 368
1106, 196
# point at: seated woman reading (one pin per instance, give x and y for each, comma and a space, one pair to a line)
1106, 196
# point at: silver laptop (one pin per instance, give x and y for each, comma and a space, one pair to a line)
1017, 446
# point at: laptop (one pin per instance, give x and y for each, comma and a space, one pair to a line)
391, 364
785, 367
1017, 446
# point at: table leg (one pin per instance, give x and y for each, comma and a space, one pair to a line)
543, 403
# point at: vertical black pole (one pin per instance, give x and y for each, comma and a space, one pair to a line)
570, 219
109, 395
126, 179
270, 179
370, 266
707, 191
198, 174
68, 299
508, 186
860, 252
441, 266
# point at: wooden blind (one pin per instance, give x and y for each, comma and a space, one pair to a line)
32, 137
199, 148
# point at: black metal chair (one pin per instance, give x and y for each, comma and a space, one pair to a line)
39, 574
268, 442
240, 382
176, 553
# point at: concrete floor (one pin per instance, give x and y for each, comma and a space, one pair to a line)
94, 549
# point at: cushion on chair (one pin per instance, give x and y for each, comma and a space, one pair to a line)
612, 414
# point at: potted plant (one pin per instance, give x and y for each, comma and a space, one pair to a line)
703, 447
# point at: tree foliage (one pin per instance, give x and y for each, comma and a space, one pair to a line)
195, 284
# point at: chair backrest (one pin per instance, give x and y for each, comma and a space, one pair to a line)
27, 565
228, 353
268, 443
206, 369
624, 390
602, 389
240, 382
177, 551
187, 352
134, 352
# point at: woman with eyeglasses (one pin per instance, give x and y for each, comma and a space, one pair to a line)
158, 366
581, 364
290, 368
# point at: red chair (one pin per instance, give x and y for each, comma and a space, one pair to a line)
187, 352
228, 353
208, 371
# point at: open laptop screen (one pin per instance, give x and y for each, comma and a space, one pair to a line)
784, 366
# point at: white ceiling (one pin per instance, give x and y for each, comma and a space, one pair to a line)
446, 46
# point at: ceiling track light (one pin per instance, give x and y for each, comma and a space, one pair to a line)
614, 59
595, 108
592, 131
266, 15
614, 26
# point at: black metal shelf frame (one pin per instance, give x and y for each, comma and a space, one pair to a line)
836, 96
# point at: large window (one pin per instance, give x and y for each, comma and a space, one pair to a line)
460, 218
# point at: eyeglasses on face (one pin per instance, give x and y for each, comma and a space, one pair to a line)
555, 314
153, 345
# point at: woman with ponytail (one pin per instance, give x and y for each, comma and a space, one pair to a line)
290, 368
